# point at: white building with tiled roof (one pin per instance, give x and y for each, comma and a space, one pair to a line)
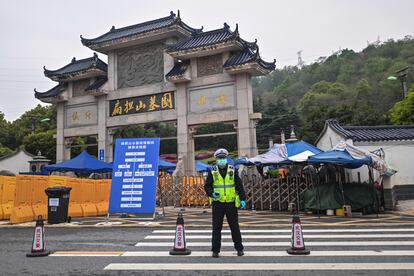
397, 142
16, 162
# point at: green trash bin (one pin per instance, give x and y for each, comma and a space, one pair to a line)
58, 204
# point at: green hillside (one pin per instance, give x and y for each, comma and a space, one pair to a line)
353, 87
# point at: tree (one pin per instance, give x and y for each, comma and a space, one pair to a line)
33, 121
402, 112
43, 142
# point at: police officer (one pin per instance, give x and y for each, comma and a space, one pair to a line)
225, 189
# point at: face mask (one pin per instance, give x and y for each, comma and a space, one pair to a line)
222, 162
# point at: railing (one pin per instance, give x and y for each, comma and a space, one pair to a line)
270, 193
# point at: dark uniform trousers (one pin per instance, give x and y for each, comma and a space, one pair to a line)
219, 210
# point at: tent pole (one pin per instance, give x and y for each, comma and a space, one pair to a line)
341, 186
371, 179
317, 193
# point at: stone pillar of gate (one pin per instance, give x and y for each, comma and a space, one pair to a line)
102, 127
246, 131
109, 147
66, 149
185, 141
60, 139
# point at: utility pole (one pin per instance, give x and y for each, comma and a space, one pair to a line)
402, 76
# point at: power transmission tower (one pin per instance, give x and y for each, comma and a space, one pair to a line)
300, 60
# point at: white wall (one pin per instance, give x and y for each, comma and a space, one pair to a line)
329, 139
398, 155
17, 163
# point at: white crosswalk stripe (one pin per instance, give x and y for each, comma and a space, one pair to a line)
330, 230
267, 237
373, 249
261, 266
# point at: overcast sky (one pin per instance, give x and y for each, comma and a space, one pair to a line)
38, 33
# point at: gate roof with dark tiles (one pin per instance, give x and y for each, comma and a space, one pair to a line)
53, 92
139, 29
374, 133
77, 66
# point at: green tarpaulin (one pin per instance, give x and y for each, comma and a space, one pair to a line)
359, 196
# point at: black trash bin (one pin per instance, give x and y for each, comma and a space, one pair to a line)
58, 204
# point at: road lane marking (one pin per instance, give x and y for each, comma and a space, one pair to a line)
87, 253
355, 236
260, 266
274, 253
169, 231
333, 243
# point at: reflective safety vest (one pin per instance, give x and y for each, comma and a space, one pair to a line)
225, 186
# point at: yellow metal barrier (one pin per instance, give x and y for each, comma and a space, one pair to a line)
7, 198
56, 180
88, 198
22, 209
75, 198
1, 196
102, 190
39, 197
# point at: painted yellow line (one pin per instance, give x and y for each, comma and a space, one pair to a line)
87, 253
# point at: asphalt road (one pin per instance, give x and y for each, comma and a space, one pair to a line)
372, 250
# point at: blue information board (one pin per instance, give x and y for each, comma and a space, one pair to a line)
134, 176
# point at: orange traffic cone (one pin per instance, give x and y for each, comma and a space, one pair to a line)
179, 241
298, 244
39, 242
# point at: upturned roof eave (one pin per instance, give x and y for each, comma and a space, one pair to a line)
137, 39
204, 50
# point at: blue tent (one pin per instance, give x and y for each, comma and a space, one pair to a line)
84, 163
300, 151
340, 158
283, 154
202, 167
166, 166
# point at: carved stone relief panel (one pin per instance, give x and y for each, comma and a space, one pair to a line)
79, 87
209, 65
208, 99
139, 66
81, 115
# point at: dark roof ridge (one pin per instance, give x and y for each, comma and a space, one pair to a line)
171, 16
175, 19
74, 61
114, 30
378, 127
226, 27
47, 90
53, 92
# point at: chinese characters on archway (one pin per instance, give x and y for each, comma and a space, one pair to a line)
147, 103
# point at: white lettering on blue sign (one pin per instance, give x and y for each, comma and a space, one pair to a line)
132, 186
134, 160
130, 205
131, 193
135, 153
132, 180
145, 166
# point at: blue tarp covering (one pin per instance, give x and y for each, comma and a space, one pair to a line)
300, 151
283, 154
84, 163
202, 167
166, 166
340, 158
